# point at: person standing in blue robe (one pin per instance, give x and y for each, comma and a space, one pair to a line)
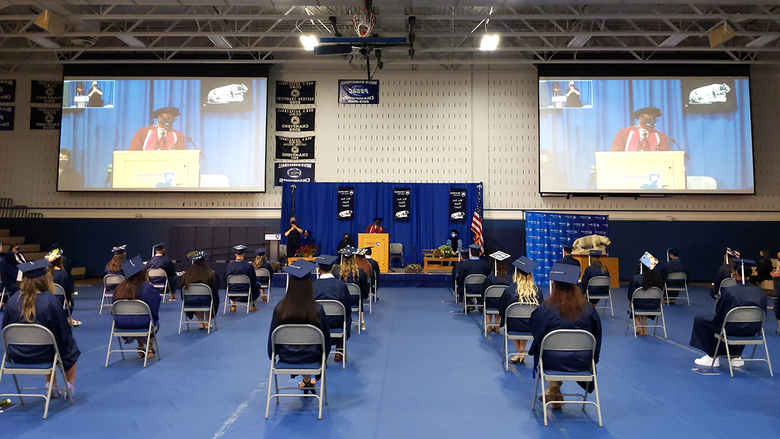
327, 287
262, 262
136, 286
596, 268
522, 290
200, 273
159, 260
242, 266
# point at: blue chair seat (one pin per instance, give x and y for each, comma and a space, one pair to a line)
562, 373
518, 333
338, 330
281, 365
124, 331
41, 366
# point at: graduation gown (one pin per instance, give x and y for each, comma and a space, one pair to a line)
471, 266
509, 297
242, 267
149, 295
675, 266
361, 281
568, 260
330, 288
48, 313
264, 279
196, 301
705, 327
724, 272
491, 280
64, 279
643, 304
300, 354
591, 272
8, 273
162, 261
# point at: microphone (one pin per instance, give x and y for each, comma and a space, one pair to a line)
108, 176
680, 148
189, 139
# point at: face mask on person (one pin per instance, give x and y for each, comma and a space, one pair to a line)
454, 235
647, 122
292, 222
166, 122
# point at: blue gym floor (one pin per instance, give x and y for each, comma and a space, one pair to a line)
420, 370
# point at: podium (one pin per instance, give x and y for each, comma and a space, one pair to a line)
380, 248
147, 169
630, 170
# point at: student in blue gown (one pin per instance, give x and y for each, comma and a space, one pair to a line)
648, 278
500, 276
9, 273
349, 272
566, 308
724, 272
63, 279
200, 273
567, 258
596, 268
159, 260
675, 265
374, 266
522, 290
262, 262
136, 286
114, 266
473, 265
299, 307
242, 266
327, 287
36, 304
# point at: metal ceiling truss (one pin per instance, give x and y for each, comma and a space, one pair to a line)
444, 37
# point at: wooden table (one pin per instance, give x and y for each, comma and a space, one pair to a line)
437, 264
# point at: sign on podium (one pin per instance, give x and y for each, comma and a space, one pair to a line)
640, 170
149, 169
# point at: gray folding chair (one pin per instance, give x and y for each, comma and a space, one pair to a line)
197, 290
677, 275
567, 340
600, 281
653, 293
260, 273
297, 335
472, 279
396, 251
336, 308
493, 292
354, 291
132, 308
727, 282
370, 288
59, 293
25, 334
238, 279
110, 281
164, 287
516, 311
744, 314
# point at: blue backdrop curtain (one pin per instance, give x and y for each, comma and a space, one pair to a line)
232, 143
546, 234
718, 145
427, 227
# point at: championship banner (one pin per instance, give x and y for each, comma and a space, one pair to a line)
7, 90
293, 173
7, 118
294, 120
346, 200
354, 91
45, 118
458, 204
295, 92
401, 203
294, 148
46, 92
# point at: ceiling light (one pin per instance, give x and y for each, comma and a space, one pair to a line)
578, 41
673, 40
131, 41
309, 42
762, 41
221, 42
489, 42
43, 41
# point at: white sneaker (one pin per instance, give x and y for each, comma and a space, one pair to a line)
707, 361
737, 362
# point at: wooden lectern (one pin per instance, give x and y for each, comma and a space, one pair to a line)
380, 248
147, 169
632, 169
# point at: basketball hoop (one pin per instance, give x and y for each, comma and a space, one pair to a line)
364, 21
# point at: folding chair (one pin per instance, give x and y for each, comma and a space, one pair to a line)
24, 334
297, 335
165, 287
238, 279
354, 291
567, 340
370, 288
744, 314
110, 281
600, 281
677, 275
472, 279
260, 273
2, 295
493, 292
336, 308
374, 287
516, 311
59, 293
396, 251
653, 293
132, 308
727, 282
197, 290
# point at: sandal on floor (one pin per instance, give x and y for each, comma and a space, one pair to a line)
232, 308
308, 386
75, 323
202, 326
517, 359
252, 308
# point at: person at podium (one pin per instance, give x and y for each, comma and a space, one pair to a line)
643, 136
160, 136
376, 227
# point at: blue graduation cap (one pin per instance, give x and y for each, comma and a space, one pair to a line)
300, 268
475, 246
326, 260
649, 260
673, 251
34, 269
133, 266
240, 249
525, 265
261, 252
158, 247
347, 251
119, 250
196, 255
565, 274
567, 248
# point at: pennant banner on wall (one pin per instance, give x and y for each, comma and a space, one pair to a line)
354, 91
7, 118
401, 203
458, 204
294, 120
294, 148
46, 92
346, 200
7, 90
45, 118
295, 92
293, 172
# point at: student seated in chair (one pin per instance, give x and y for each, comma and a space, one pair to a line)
524, 291
136, 286
242, 266
675, 265
63, 279
114, 266
327, 287
200, 273
596, 268
262, 262
648, 278
159, 260
472, 265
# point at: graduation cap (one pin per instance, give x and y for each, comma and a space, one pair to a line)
261, 252
524, 264
53, 255
367, 250
649, 260
360, 251
567, 248
378, 219
739, 266
240, 249
565, 274
347, 251
196, 255
300, 268
173, 111
732, 253
655, 112
34, 269
325, 260
133, 266
673, 251
475, 248
119, 250
500, 256
158, 247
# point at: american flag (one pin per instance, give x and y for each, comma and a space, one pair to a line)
476, 220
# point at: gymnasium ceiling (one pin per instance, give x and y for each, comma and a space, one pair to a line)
447, 33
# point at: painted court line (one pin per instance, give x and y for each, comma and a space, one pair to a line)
241, 407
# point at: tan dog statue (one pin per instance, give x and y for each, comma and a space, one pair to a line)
583, 245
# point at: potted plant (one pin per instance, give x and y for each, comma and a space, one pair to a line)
444, 251
307, 251
413, 268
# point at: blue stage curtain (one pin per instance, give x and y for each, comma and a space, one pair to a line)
427, 227
547, 233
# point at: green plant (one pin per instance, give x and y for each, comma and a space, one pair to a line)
444, 251
413, 268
